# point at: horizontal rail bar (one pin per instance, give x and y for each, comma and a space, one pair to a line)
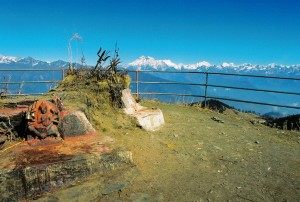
257, 76
219, 86
253, 89
176, 83
29, 70
216, 73
253, 102
166, 71
175, 94
25, 82
220, 98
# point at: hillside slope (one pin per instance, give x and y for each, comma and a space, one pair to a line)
194, 158
199, 155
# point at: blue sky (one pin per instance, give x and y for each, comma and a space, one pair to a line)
185, 31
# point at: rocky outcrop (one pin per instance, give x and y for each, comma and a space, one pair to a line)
29, 181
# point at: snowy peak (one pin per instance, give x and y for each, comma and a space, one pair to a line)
203, 64
8, 59
151, 62
225, 64
198, 65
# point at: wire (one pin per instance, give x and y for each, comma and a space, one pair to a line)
3, 150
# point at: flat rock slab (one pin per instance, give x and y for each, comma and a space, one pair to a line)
148, 119
95, 188
27, 172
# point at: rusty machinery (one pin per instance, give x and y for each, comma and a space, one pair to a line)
42, 120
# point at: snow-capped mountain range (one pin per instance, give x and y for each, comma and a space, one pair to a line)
149, 63
29, 62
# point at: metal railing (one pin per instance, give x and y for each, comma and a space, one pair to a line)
207, 84
16, 79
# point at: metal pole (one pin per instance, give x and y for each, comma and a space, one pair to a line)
137, 83
63, 73
205, 93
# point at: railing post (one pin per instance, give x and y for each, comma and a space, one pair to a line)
205, 93
137, 83
63, 73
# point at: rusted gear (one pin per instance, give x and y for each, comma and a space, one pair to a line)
43, 119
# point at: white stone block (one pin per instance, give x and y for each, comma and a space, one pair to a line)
148, 119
